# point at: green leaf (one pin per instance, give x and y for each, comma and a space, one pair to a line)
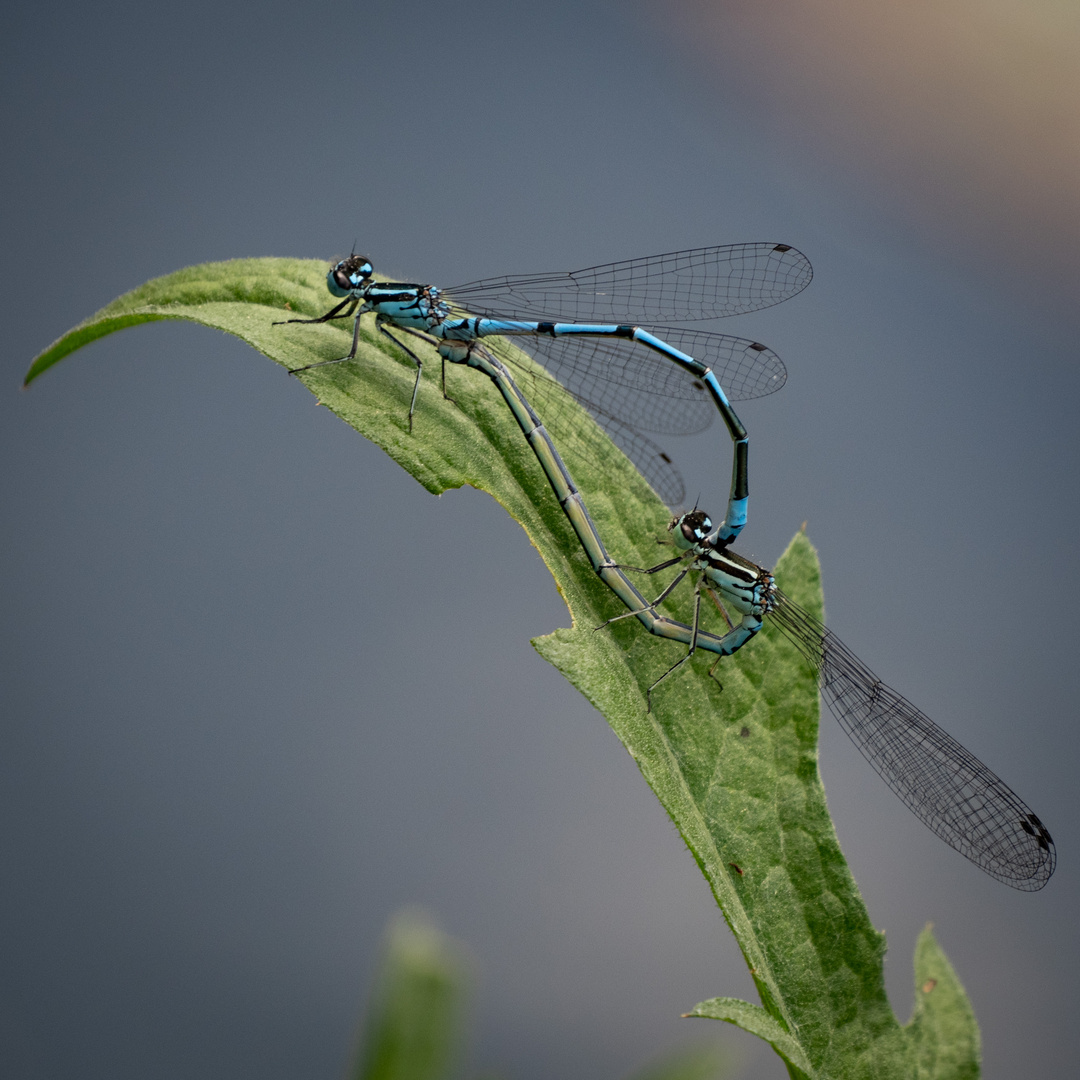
412, 1030
943, 1034
758, 1022
700, 1063
737, 770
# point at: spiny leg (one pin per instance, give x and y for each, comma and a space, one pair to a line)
446, 396
690, 652
652, 569
659, 600
730, 625
355, 339
349, 301
434, 342
415, 359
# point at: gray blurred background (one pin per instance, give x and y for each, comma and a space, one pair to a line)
242, 723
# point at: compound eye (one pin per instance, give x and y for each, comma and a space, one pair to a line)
696, 526
337, 281
356, 267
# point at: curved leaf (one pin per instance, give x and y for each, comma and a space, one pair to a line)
754, 1019
736, 770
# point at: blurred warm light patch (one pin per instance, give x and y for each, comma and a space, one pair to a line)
967, 112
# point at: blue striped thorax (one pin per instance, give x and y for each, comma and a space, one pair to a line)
405, 304
746, 586
402, 303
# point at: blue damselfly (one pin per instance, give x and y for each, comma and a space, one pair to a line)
581, 326
941, 782
944, 785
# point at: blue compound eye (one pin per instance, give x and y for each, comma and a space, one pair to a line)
337, 282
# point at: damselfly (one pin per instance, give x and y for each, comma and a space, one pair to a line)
942, 783
477, 356
580, 327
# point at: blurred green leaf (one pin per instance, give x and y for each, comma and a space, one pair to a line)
413, 1027
699, 1063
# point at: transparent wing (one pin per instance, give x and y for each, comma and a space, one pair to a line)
604, 368
701, 283
944, 785
652, 462
630, 389
578, 440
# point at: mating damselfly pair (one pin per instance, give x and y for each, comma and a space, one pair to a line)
582, 327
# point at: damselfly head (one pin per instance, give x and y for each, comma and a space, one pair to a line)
348, 275
690, 529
